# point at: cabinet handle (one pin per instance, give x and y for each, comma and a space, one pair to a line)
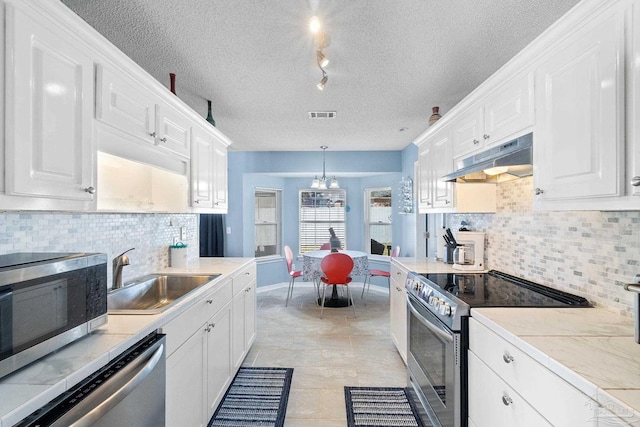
399, 289
197, 202
209, 301
507, 357
538, 191
216, 203
90, 190
248, 290
476, 142
207, 329
428, 203
247, 273
212, 325
506, 400
485, 136
152, 134
163, 139
446, 202
635, 181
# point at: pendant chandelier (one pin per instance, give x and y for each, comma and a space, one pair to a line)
323, 183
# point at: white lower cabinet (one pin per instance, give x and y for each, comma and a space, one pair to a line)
186, 387
507, 387
244, 315
398, 309
203, 350
492, 403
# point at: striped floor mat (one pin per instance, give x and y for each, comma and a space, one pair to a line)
380, 407
256, 397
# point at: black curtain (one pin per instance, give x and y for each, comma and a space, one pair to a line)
211, 235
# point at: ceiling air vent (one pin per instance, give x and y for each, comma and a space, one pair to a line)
322, 114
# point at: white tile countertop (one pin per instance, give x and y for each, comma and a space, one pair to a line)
591, 348
28, 389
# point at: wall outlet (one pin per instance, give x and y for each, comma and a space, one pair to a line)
183, 233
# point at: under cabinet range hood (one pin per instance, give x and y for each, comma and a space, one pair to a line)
511, 160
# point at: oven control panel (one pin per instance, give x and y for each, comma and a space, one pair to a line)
439, 302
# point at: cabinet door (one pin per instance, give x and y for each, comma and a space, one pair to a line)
185, 387
425, 189
467, 131
173, 130
441, 165
49, 99
250, 320
220, 176
124, 104
580, 113
219, 371
201, 169
509, 110
239, 329
398, 311
492, 403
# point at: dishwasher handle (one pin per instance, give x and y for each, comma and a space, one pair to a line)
109, 394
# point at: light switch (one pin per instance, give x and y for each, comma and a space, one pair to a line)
183, 233
228, 230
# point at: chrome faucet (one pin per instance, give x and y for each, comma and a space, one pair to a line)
118, 263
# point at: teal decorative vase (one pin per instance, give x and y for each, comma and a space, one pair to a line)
210, 115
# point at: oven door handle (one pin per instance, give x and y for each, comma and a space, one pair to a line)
442, 333
112, 392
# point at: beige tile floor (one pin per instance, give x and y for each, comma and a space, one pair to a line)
326, 354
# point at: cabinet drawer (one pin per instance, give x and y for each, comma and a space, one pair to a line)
492, 403
182, 327
242, 278
531, 380
398, 274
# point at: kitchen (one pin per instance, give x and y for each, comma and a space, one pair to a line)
590, 253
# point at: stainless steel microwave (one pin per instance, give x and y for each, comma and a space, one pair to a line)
48, 300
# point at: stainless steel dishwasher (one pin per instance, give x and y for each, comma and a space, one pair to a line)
129, 391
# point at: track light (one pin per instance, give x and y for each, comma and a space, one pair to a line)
323, 61
323, 81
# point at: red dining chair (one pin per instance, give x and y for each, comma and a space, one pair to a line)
378, 273
325, 246
288, 256
336, 268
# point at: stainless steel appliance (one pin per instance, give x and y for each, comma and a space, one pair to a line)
511, 160
438, 317
48, 300
129, 391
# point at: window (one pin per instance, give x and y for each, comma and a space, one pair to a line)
267, 222
378, 219
319, 210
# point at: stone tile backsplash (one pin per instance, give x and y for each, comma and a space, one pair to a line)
588, 253
113, 233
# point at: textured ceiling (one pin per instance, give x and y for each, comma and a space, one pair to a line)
391, 61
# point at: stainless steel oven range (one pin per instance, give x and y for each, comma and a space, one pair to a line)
438, 313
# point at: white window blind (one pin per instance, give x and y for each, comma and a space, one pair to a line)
320, 210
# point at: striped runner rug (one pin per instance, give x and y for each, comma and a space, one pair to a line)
380, 407
256, 397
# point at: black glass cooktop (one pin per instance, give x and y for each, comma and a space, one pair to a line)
497, 289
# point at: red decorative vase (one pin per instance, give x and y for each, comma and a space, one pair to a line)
435, 116
172, 79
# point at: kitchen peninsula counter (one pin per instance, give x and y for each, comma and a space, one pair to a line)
28, 389
593, 349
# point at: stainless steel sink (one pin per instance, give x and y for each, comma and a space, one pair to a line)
154, 293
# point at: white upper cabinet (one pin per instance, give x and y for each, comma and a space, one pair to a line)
220, 180
505, 112
125, 104
441, 165
49, 100
579, 134
208, 170
173, 130
201, 168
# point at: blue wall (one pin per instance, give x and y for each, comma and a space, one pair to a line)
248, 170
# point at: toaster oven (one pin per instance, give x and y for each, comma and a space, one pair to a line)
48, 300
